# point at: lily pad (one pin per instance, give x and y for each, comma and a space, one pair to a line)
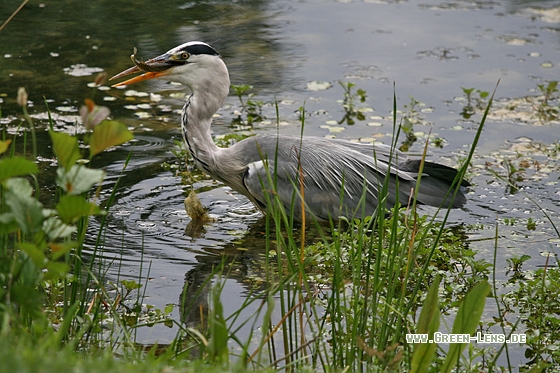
318, 86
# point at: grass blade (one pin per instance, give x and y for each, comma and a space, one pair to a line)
466, 321
428, 323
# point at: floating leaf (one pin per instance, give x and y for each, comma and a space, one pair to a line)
71, 208
318, 86
16, 166
107, 134
65, 148
78, 179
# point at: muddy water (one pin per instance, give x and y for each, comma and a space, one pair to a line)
293, 53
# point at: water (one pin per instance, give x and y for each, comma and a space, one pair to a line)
428, 50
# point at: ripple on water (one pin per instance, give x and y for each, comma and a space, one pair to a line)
177, 213
147, 225
147, 143
122, 212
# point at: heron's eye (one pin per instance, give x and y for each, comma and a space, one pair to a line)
185, 56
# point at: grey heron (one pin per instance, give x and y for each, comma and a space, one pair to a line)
339, 177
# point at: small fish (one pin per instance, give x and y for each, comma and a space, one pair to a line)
144, 66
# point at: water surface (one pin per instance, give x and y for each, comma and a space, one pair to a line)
422, 50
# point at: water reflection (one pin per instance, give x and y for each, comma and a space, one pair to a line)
100, 35
235, 262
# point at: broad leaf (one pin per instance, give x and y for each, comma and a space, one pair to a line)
60, 249
55, 270
4, 144
55, 228
78, 179
65, 148
108, 133
71, 208
466, 321
8, 223
16, 166
428, 323
26, 210
37, 255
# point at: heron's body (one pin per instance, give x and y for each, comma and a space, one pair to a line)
340, 178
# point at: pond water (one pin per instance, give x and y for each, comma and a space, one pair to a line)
425, 51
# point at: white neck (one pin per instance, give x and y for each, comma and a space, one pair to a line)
210, 88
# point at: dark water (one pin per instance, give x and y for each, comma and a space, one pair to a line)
428, 50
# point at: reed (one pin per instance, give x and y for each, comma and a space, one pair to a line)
345, 303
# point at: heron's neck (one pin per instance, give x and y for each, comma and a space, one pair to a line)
209, 92
196, 121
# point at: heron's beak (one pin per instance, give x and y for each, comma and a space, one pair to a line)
153, 68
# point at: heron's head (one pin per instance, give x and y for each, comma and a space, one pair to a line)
194, 64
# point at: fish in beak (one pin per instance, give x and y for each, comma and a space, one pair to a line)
153, 68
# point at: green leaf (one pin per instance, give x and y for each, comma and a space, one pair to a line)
78, 179
62, 332
65, 148
407, 125
217, 347
56, 270
108, 133
60, 249
4, 144
71, 208
37, 255
428, 323
16, 166
26, 210
131, 285
168, 308
55, 228
466, 321
8, 223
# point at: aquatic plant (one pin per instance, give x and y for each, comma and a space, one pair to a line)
548, 108
349, 103
346, 303
474, 103
41, 247
250, 107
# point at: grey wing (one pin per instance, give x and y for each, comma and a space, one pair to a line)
270, 183
437, 183
339, 177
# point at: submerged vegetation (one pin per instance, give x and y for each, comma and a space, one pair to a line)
349, 301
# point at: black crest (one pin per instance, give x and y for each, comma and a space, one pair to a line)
200, 48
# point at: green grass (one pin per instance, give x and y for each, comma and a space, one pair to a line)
346, 302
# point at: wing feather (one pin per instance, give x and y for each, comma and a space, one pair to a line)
333, 171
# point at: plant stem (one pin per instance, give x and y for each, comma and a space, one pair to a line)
32, 128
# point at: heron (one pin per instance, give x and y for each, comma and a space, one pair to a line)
332, 177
